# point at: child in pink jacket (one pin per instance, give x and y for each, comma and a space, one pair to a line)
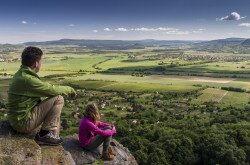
92, 132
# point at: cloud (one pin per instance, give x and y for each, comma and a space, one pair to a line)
199, 30
245, 24
167, 29
71, 25
164, 30
174, 32
159, 30
24, 22
95, 31
143, 29
122, 30
234, 16
107, 29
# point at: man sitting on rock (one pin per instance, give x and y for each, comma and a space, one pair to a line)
26, 111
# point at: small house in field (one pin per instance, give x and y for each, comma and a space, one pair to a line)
77, 108
215, 111
103, 105
120, 108
134, 121
76, 115
181, 106
130, 109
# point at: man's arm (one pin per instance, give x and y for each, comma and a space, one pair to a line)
37, 88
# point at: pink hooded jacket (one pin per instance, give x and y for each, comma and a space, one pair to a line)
87, 130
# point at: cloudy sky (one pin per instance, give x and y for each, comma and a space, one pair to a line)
40, 20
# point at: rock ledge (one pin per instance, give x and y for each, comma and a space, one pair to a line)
21, 149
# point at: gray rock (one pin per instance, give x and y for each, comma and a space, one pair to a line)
70, 144
21, 149
7, 130
81, 156
56, 155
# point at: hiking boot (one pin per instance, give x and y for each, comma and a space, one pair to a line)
107, 156
48, 139
111, 152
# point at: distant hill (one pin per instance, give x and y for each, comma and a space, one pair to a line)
246, 43
151, 42
239, 45
112, 44
108, 44
221, 42
233, 45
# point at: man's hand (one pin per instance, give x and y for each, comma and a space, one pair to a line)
72, 95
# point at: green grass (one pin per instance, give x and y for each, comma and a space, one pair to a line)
92, 84
210, 95
167, 80
83, 63
235, 99
52, 67
229, 67
135, 87
223, 98
4, 84
125, 62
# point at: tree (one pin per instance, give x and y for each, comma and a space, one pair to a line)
157, 157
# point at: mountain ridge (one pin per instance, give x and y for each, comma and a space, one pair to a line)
230, 43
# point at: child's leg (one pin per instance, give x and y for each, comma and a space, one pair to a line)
98, 140
107, 140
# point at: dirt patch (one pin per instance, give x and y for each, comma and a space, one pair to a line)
195, 78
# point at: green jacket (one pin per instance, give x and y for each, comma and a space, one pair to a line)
25, 92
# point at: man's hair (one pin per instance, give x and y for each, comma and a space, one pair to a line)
30, 55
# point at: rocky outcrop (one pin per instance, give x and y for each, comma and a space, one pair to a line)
19, 149
124, 157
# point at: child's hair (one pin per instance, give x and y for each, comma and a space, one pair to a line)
92, 112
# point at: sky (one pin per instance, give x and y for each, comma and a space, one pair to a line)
43, 20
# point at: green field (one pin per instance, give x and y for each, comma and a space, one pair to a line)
165, 103
178, 74
236, 99
135, 87
210, 95
223, 98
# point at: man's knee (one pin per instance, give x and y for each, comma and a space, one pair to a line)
59, 99
58, 104
56, 100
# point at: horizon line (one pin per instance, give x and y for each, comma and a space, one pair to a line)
20, 43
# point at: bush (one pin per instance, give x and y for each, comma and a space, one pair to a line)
233, 89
